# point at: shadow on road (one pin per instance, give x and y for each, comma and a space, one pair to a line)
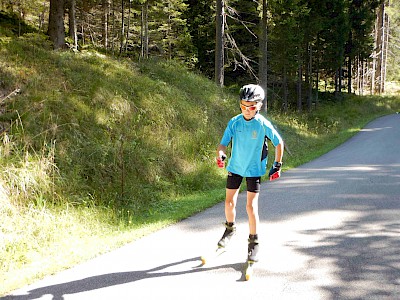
107, 280
364, 254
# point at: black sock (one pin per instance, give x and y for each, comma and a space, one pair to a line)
253, 237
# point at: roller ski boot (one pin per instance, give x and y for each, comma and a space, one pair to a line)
230, 230
252, 256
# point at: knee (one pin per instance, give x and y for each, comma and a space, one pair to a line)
251, 209
230, 203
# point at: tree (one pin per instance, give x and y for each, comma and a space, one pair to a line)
393, 59
380, 53
359, 46
72, 22
171, 30
144, 33
312, 23
286, 44
201, 25
219, 42
56, 24
242, 42
263, 70
105, 19
122, 37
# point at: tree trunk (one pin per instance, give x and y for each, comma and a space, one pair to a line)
144, 32
299, 87
379, 50
317, 84
285, 90
121, 46
106, 12
113, 27
362, 77
359, 72
309, 78
169, 31
72, 23
263, 72
128, 28
317, 73
349, 75
340, 78
56, 24
219, 43
385, 46
338, 82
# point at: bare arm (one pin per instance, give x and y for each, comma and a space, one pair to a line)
279, 152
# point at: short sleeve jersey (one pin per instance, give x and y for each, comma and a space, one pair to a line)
248, 137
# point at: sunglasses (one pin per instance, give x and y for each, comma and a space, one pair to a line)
250, 108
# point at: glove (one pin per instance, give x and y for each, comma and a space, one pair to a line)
221, 161
275, 171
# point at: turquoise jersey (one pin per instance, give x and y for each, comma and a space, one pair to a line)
249, 144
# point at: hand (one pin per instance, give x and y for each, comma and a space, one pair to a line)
221, 160
275, 171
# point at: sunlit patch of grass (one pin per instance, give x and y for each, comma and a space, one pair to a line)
392, 88
37, 241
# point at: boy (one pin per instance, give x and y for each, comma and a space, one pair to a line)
248, 133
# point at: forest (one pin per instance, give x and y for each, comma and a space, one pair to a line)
301, 52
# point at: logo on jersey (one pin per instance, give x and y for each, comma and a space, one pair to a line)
254, 134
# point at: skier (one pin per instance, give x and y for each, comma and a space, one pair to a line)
248, 134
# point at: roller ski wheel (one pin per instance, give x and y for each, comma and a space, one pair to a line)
210, 256
249, 269
252, 257
230, 230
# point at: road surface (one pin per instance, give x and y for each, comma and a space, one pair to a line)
330, 229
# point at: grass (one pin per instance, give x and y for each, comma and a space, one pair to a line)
98, 152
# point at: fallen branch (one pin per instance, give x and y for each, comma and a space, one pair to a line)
16, 91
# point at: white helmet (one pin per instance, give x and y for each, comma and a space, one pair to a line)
252, 92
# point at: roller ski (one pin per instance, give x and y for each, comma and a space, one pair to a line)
252, 256
230, 230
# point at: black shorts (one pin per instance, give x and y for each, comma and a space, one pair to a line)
234, 181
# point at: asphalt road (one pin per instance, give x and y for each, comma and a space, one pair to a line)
330, 229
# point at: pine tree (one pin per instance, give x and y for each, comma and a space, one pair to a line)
393, 71
201, 25
56, 29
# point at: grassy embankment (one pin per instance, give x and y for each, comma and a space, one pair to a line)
97, 152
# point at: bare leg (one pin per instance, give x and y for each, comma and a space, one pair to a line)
230, 204
252, 211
